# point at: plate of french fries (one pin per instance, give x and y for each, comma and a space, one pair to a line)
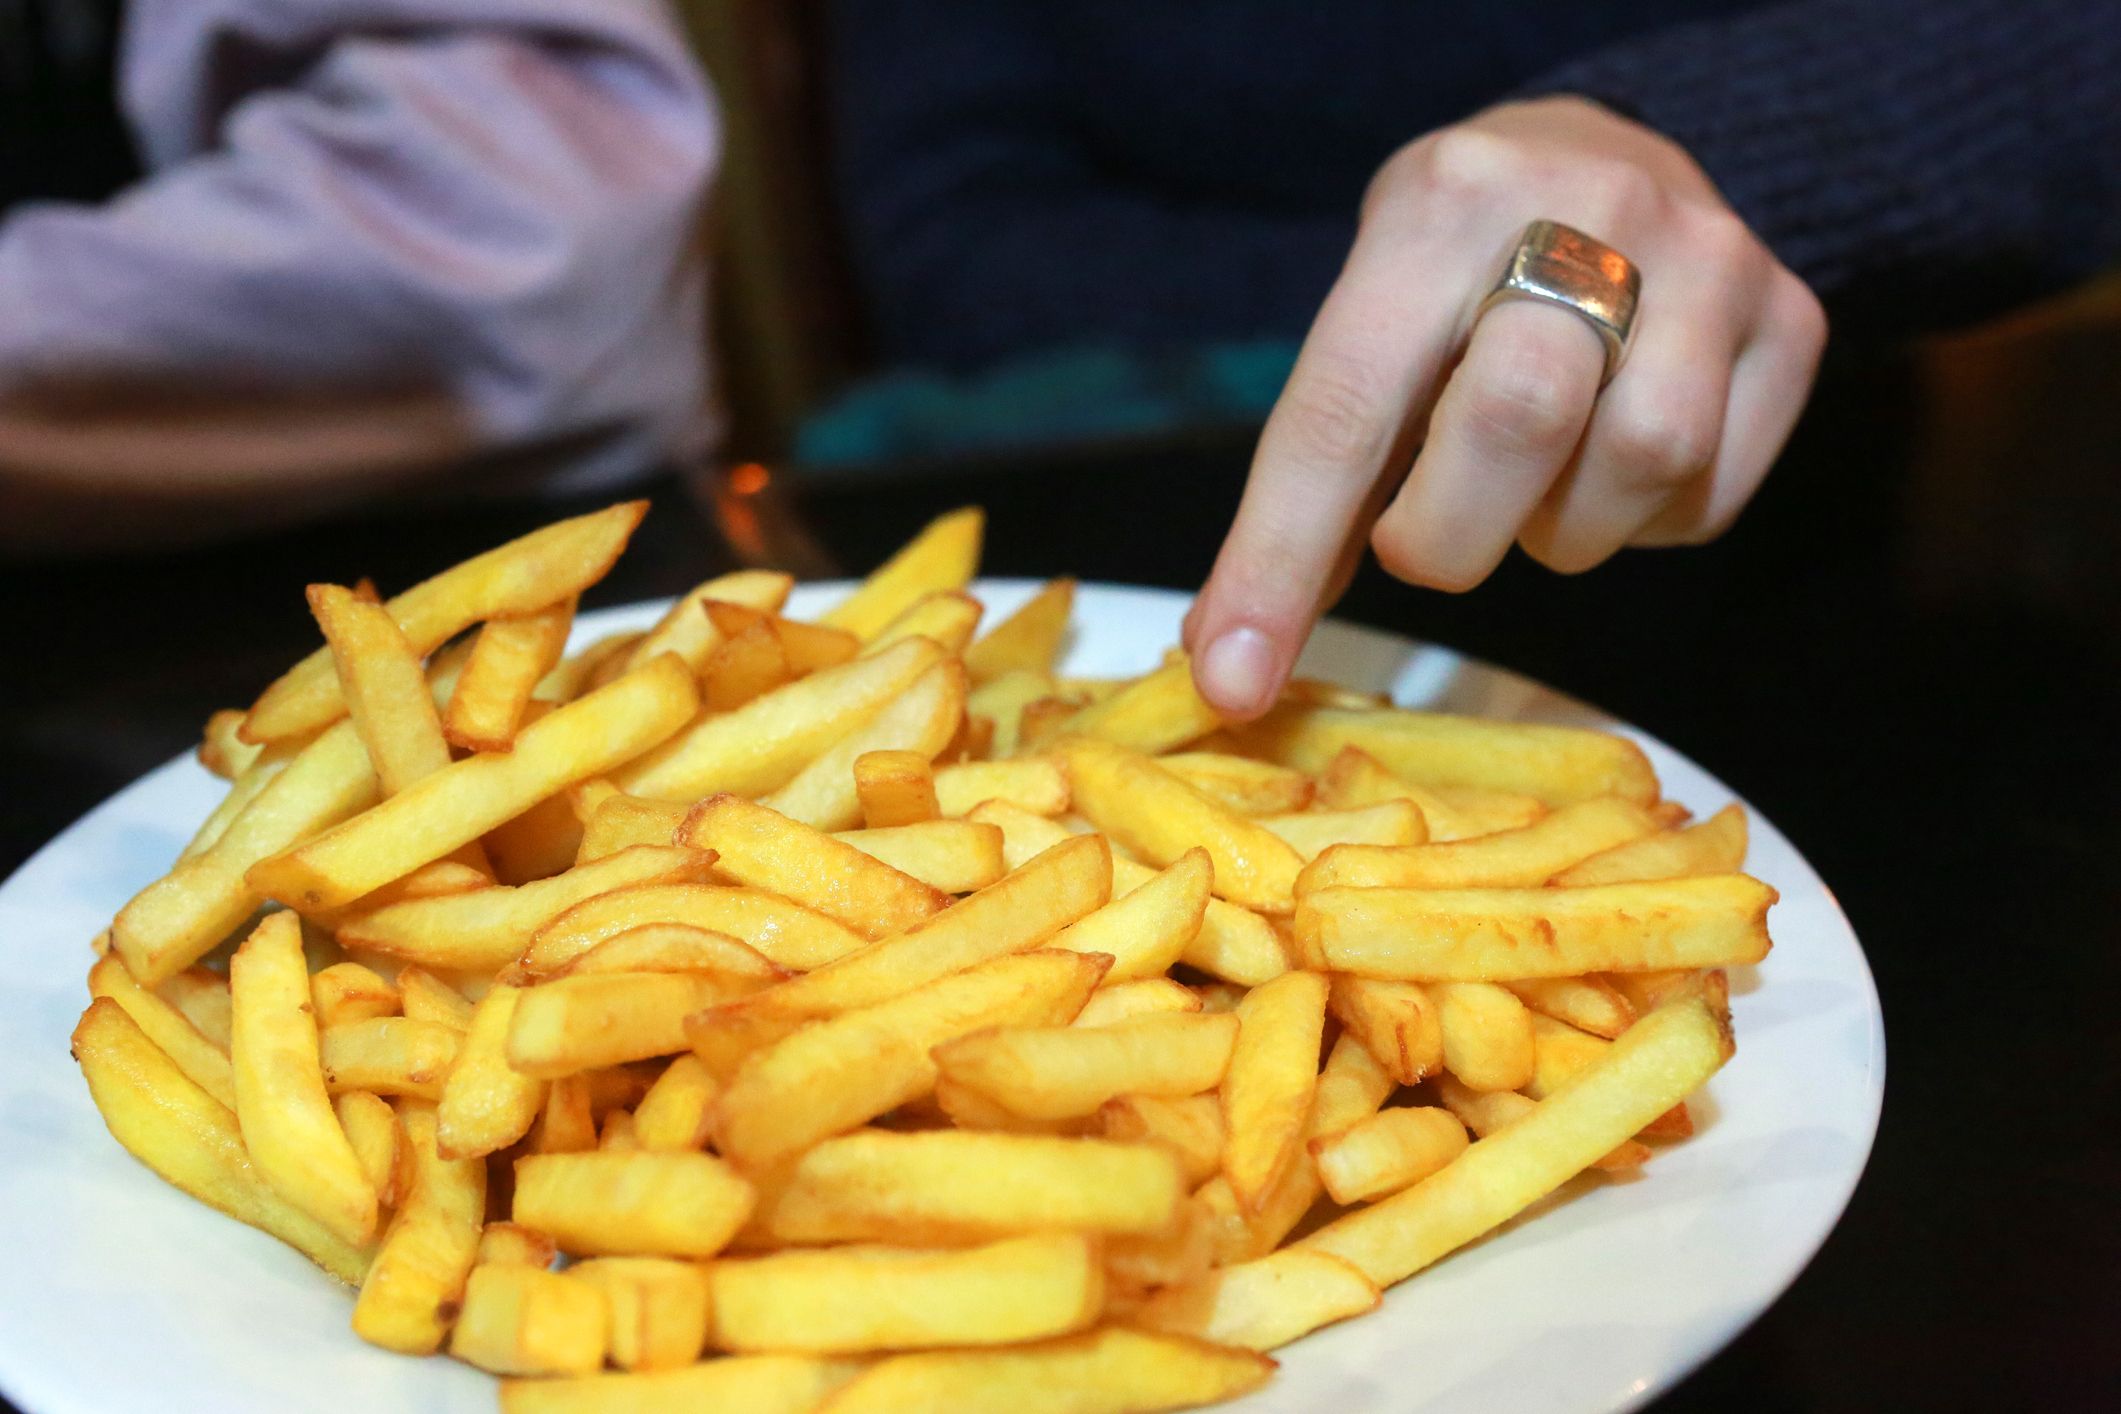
903, 996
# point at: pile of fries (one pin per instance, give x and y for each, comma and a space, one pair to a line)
855, 1015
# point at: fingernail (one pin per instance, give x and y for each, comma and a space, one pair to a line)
1237, 671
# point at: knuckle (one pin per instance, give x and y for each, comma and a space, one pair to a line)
1464, 159
1662, 444
1411, 562
1525, 402
1804, 313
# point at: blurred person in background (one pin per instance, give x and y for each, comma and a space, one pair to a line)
1164, 180
336, 247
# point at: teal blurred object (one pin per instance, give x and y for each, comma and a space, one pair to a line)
1068, 396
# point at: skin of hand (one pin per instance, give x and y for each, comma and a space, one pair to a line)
1443, 441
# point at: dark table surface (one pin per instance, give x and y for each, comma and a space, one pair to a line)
1934, 728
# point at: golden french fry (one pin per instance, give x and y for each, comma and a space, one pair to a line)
1556, 764
1485, 934
622, 821
1560, 1051
855, 1299
657, 1309
807, 647
673, 1116
189, 1138
1715, 846
540, 842
521, 1320
426, 997
202, 995
488, 928
744, 667
754, 1384
971, 1110
1510, 859
847, 1069
1354, 778
632, 1204
455, 805
409, 1298
373, 1131
762, 848
783, 931
1588, 1003
1485, 1113
1264, 1303
1267, 1090
617, 1134
1190, 1127
221, 750
689, 631
508, 660
1661, 1060
1058, 1072
486, 1104
182, 916
591, 667
203, 1063
390, 1055
1158, 817
1108, 1368
281, 1102
920, 720
1002, 701
1148, 929
948, 617
945, 555
567, 1123
585, 1021
1030, 783
945, 1187
384, 686
1233, 942
675, 947
1241, 783
895, 788
348, 991
955, 856
520, 577
241, 792
1395, 1021
1028, 640
1646, 991
1153, 714
1390, 1150
1389, 823
1147, 996
1487, 1034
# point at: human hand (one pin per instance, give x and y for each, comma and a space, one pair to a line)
1515, 441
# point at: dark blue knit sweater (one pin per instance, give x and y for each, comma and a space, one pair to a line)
1018, 175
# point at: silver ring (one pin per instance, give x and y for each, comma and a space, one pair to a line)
1560, 265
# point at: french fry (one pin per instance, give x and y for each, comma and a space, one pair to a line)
1149, 928
1153, 714
1058, 1072
1715, 846
945, 1187
848, 1069
1646, 991
1263, 1303
542, 841
1240, 783
189, 1138
762, 848
488, 928
1557, 764
1190, 1127
348, 991
1511, 859
1486, 934
1028, 640
754, 1384
486, 1104
182, 916
426, 997
455, 805
508, 660
617, 1134
1390, 1150
744, 667
760, 746
856, 1299
657, 1309
281, 1102
567, 1124
1661, 1060
1267, 1091
1233, 942
520, 1320
202, 995
589, 668
783, 931
410, 1296
673, 1116
689, 631
807, 647
1588, 1003
1158, 817
373, 1132
972, 1110
945, 555
1108, 1368
384, 686
948, 617
203, 1063
633, 1204
1002, 701
241, 792
920, 720
621, 821
1396, 1022
221, 750
1560, 1051
1031, 783
676, 947
598, 1019
895, 788
1387, 824
390, 1055
1487, 1034
955, 856
504, 1242
1148, 996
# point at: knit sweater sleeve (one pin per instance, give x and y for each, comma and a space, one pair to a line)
1921, 163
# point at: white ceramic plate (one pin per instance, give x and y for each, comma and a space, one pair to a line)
118, 1293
